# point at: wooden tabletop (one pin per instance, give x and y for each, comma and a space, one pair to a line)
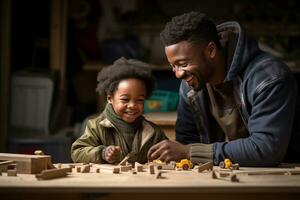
172, 181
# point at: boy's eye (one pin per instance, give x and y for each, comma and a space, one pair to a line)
124, 100
141, 100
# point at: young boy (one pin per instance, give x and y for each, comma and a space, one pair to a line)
121, 129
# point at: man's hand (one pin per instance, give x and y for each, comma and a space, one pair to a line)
167, 151
112, 154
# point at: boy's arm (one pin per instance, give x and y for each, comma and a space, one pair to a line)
88, 148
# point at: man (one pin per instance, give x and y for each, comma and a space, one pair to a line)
236, 101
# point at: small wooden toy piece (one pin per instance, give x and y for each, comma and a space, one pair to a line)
234, 178
85, 169
138, 167
159, 175
5, 165
12, 172
214, 174
97, 170
52, 173
78, 169
206, 166
151, 169
123, 162
125, 168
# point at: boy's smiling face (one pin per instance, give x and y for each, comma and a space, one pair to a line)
128, 99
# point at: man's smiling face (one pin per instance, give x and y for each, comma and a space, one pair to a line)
190, 63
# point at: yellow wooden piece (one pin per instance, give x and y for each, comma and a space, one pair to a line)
227, 163
184, 164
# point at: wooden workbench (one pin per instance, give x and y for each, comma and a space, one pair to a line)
175, 185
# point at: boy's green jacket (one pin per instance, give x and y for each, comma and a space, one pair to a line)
100, 133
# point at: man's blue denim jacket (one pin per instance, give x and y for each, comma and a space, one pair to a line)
267, 95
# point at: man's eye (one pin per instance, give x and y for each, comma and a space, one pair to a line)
182, 65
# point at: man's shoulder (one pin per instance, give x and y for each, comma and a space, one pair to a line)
266, 67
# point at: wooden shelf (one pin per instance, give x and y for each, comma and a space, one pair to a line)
97, 66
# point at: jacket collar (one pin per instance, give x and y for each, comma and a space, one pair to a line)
147, 129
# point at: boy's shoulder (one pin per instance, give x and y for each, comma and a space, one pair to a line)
152, 124
99, 119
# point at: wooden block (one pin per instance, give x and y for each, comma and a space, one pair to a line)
234, 178
12, 172
4, 165
206, 166
138, 167
78, 169
116, 170
159, 175
151, 169
85, 169
12, 166
6, 162
52, 173
123, 162
214, 174
125, 168
28, 164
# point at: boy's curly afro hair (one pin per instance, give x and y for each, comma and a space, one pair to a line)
109, 77
193, 27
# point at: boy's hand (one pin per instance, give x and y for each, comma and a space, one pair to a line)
112, 154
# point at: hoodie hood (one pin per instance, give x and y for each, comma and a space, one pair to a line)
240, 48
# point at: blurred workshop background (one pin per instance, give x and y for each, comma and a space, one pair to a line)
52, 50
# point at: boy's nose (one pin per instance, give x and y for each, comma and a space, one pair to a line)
131, 104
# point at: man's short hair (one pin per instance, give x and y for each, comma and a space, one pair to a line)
194, 27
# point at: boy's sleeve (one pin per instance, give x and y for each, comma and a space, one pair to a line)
88, 148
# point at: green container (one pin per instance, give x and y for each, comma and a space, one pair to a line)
161, 101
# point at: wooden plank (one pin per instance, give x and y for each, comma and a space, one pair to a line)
58, 32
28, 164
53, 173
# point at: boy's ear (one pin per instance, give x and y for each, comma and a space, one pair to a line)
108, 98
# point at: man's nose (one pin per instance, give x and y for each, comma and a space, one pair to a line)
179, 73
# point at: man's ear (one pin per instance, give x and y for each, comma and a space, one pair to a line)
108, 98
211, 50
